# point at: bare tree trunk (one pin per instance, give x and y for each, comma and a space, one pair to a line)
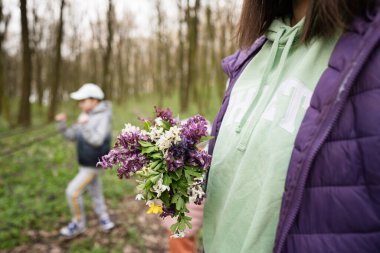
169, 71
76, 51
208, 62
93, 57
4, 21
107, 86
158, 73
183, 89
57, 66
24, 116
38, 79
127, 68
192, 37
221, 77
122, 70
36, 38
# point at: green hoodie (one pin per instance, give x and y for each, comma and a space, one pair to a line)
255, 142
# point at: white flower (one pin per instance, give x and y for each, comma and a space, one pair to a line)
195, 190
139, 196
155, 133
178, 234
170, 137
149, 202
144, 171
159, 121
130, 128
159, 187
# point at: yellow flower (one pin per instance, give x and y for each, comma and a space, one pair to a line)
154, 209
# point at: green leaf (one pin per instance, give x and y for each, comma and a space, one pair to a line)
158, 166
188, 223
165, 197
181, 226
157, 155
145, 144
148, 185
147, 125
178, 173
150, 195
155, 178
206, 138
183, 183
153, 164
166, 125
183, 191
174, 176
174, 227
175, 198
167, 180
148, 150
180, 204
188, 179
193, 173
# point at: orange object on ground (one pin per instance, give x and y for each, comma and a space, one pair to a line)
182, 245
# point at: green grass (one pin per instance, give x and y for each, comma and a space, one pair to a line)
33, 181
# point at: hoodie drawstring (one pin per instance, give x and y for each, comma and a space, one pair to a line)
269, 89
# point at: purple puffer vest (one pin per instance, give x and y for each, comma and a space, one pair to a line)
331, 202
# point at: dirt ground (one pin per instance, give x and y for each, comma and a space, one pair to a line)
135, 232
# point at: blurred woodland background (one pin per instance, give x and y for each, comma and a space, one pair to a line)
142, 53
59, 46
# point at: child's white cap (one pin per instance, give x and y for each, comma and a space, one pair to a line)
88, 90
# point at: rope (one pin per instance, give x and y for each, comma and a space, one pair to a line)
12, 150
21, 131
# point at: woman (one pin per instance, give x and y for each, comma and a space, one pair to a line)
297, 150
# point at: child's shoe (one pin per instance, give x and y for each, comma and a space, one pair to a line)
72, 230
106, 224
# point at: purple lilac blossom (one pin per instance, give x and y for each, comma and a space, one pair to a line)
176, 156
130, 140
199, 159
165, 115
142, 119
168, 211
131, 164
126, 154
115, 156
193, 129
200, 199
174, 163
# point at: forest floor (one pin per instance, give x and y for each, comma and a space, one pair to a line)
135, 232
33, 206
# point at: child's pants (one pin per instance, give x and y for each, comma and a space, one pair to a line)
87, 177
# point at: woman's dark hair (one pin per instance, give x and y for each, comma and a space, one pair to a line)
322, 19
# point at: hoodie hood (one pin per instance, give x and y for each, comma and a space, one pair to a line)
282, 38
103, 107
288, 34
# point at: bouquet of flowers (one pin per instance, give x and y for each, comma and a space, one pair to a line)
167, 163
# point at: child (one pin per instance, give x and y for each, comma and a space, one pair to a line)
92, 133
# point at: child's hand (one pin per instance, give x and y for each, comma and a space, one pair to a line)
61, 117
83, 118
